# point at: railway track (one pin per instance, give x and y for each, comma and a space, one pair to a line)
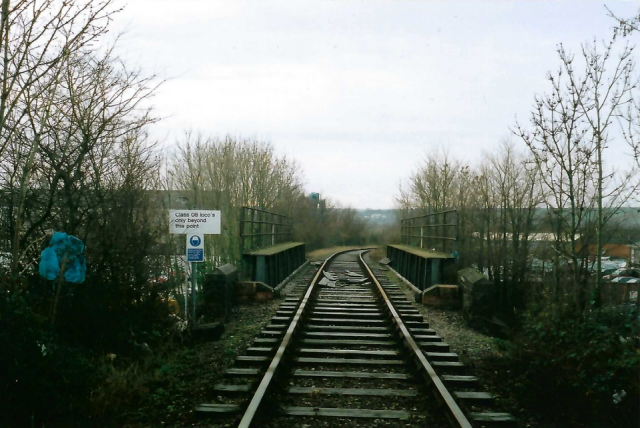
350, 350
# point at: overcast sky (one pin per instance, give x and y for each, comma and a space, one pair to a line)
356, 91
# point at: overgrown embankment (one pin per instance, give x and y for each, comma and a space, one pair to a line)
560, 368
571, 368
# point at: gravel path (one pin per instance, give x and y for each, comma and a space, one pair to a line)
475, 349
471, 346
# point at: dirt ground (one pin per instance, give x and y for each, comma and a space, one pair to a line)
190, 378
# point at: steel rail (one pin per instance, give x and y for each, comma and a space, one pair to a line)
429, 225
456, 416
268, 233
431, 237
268, 222
261, 391
264, 211
431, 214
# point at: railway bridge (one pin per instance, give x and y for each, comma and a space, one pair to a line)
348, 346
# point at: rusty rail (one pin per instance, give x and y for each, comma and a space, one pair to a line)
266, 383
455, 414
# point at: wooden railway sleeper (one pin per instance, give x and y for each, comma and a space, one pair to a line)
442, 361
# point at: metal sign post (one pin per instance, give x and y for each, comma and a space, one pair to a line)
186, 291
195, 254
194, 284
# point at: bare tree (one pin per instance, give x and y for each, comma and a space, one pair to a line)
624, 26
570, 131
607, 90
229, 173
61, 158
35, 38
496, 203
434, 184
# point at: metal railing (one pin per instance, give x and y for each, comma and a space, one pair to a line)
260, 229
434, 231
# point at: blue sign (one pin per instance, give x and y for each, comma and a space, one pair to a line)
195, 255
195, 248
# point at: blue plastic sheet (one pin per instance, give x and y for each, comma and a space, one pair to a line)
64, 250
49, 267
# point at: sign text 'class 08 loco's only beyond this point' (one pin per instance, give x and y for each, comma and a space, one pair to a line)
204, 222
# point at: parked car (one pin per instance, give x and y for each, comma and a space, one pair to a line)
621, 263
539, 266
633, 273
626, 280
608, 266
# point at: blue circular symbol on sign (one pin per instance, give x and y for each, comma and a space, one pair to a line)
195, 240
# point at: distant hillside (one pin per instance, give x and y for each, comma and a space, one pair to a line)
379, 217
627, 219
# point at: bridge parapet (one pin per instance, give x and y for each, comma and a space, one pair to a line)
268, 253
272, 265
427, 254
423, 268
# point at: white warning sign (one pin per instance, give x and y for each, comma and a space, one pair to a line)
194, 221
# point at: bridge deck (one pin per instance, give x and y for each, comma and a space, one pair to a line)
269, 251
422, 252
274, 264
